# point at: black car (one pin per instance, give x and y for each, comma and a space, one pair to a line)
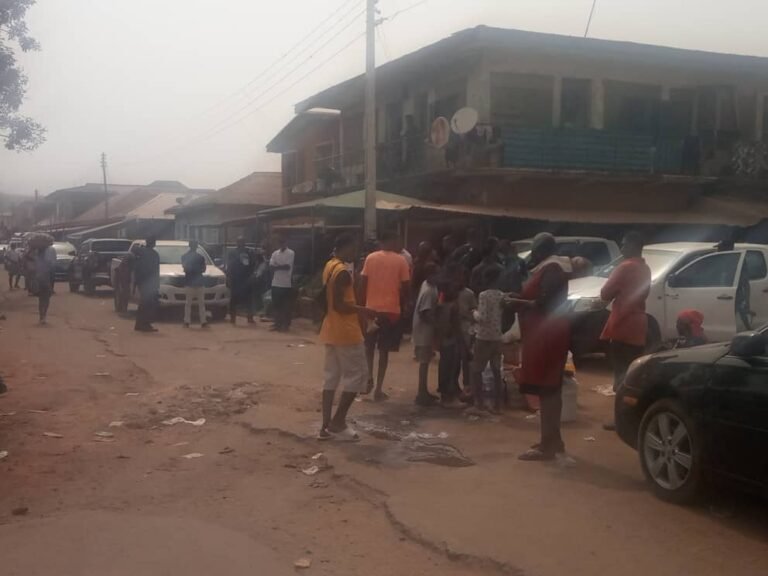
699, 416
90, 267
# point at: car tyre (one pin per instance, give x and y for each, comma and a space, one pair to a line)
89, 287
120, 300
219, 313
671, 452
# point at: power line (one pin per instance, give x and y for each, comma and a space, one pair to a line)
285, 76
589, 21
261, 93
287, 88
404, 10
268, 70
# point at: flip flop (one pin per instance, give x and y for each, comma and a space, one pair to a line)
347, 435
535, 455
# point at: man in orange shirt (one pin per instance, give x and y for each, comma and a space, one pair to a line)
384, 287
345, 362
627, 288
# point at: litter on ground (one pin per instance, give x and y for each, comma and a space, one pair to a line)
180, 420
52, 435
192, 455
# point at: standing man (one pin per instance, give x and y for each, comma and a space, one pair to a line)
627, 289
194, 268
147, 278
240, 268
345, 363
45, 264
384, 287
13, 267
281, 264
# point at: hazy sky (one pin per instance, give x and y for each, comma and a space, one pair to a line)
158, 84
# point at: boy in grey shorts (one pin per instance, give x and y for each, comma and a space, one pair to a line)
488, 315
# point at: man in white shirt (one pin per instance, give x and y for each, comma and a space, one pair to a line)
281, 264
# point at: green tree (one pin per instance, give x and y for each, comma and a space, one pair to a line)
18, 131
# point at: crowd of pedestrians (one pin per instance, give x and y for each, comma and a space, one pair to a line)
458, 302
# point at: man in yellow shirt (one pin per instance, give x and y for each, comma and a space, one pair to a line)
345, 361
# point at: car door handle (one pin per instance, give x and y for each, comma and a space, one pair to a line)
673, 296
725, 297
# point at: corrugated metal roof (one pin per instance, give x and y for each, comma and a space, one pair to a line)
257, 189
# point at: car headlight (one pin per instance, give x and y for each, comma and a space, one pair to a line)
636, 368
588, 304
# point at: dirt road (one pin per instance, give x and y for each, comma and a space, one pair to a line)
100, 485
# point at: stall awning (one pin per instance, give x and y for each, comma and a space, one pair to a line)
704, 210
349, 201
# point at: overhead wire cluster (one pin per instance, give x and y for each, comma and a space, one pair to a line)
280, 76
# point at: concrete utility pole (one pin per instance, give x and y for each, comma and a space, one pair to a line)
370, 123
106, 191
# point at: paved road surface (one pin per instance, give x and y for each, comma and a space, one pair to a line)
119, 504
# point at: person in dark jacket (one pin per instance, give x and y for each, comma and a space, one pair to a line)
194, 282
240, 268
147, 277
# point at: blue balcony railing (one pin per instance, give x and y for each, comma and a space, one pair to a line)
591, 150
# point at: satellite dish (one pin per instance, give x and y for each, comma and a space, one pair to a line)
440, 132
464, 120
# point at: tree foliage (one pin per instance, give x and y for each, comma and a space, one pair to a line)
18, 131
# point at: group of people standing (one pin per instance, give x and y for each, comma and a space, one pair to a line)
246, 274
460, 301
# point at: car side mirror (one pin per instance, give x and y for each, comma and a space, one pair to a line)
219, 262
747, 345
672, 281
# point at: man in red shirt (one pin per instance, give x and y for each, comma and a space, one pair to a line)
627, 289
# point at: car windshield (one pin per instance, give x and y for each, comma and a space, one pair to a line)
173, 254
659, 261
111, 246
63, 248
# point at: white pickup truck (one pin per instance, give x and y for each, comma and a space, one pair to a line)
684, 275
172, 292
599, 251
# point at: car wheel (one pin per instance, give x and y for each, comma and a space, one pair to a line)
74, 286
89, 287
121, 301
671, 453
219, 313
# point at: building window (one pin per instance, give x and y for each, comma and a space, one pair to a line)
522, 100
576, 103
211, 235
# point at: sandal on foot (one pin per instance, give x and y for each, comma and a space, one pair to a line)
324, 435
380, 397
347, 435
535, 455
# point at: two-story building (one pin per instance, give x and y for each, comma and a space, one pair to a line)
570, 131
